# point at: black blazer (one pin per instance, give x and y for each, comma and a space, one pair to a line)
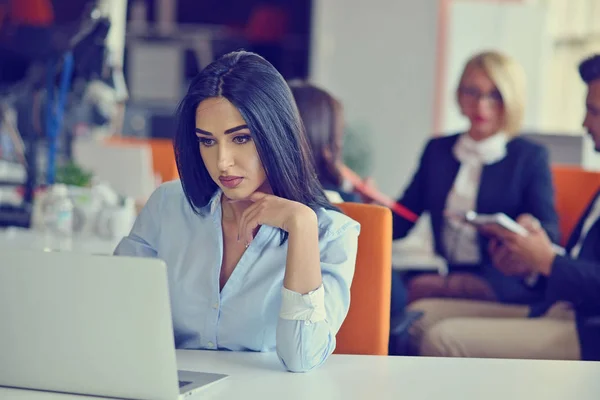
519, 183
578, 282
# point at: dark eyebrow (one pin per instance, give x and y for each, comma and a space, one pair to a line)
227, 132
237, 128
200, 131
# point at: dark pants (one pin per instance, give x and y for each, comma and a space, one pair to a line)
399, 297
400, 319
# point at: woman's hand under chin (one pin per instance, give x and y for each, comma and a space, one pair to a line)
271, 210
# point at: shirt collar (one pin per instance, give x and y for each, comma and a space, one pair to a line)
487, 151
214, 203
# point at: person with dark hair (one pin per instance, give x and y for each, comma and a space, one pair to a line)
566, 324
321, 114
323, 123
258, 259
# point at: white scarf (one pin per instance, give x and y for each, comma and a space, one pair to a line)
461, 239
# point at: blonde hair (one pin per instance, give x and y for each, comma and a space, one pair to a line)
509, 78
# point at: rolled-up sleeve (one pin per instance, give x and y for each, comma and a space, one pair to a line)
309, 307
309, 323
143, 239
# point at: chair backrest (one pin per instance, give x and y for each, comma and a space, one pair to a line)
366, 329
163, 155
575, 188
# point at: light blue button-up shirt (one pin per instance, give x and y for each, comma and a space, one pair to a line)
250, 312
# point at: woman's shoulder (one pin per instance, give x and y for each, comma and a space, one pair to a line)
168, 193
525, 147
169, 201
334, 223
172, 189
335, 195
443, 143
444, 140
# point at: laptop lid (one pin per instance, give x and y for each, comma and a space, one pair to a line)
78, 323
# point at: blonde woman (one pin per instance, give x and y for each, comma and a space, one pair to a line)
487, 168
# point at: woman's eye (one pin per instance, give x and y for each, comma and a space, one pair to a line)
206, 141
242, 139
496, 96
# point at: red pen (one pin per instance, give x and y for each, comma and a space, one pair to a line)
367, 191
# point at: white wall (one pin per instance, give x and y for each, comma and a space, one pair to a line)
525, 31
378, 57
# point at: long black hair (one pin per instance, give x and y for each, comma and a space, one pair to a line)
264, 100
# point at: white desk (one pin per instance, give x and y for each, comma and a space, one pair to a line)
261, 376
29, 239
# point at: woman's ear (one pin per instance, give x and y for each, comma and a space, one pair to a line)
328, 155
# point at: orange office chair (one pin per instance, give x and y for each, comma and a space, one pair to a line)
574, 188
366, 329
163, 155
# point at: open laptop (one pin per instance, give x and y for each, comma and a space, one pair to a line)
92, 325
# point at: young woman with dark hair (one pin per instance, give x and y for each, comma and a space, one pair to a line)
258, 259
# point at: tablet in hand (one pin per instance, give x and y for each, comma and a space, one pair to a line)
499, 219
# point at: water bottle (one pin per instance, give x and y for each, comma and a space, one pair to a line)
57, 214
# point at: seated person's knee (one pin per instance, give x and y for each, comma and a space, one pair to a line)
443, 339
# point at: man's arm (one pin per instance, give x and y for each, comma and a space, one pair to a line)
576, 281
568, 279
